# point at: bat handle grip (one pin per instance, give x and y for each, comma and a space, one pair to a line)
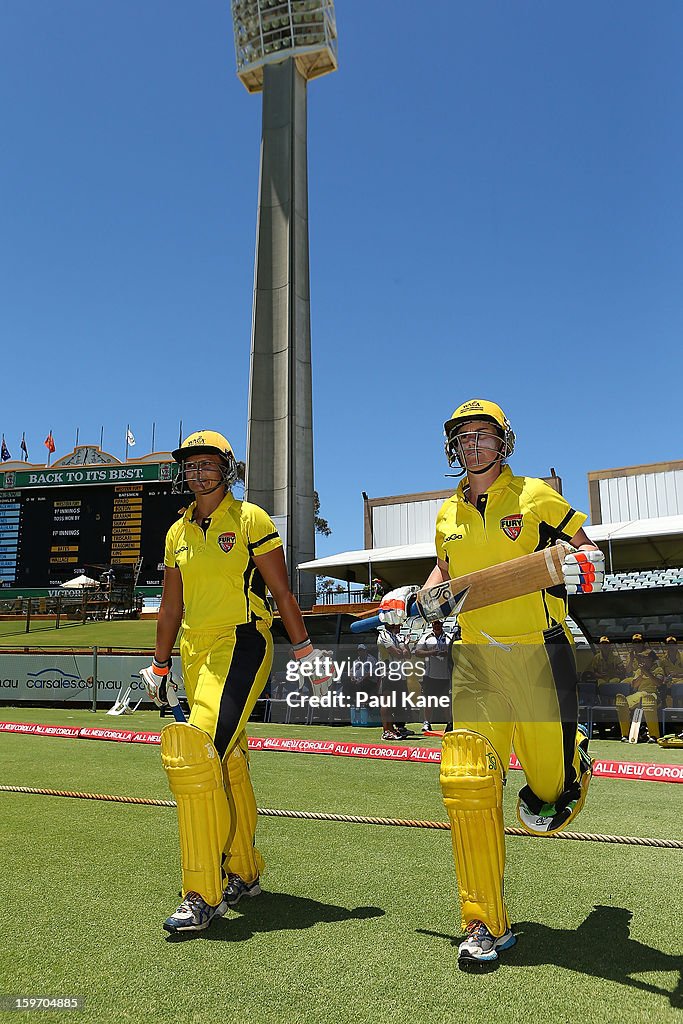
178, 713
366, 625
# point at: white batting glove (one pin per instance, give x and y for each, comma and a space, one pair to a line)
158, 683
315, 667
393, 607
584, 572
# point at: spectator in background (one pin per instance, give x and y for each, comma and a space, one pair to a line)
361, 677
435, 645
392, 648
278, 685
363, 669
637, 647
672, 662
379, 589
608, 670
647, 683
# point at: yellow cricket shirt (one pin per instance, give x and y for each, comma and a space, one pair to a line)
517, 515
221, 584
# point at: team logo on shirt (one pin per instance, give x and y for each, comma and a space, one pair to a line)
227, 542
512, 525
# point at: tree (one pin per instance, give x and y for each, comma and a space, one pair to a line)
321, 525
323, 584
328, 586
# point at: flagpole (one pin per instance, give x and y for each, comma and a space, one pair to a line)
77, 430
153, 430
101, 437
127, 435
49, 453
180, 434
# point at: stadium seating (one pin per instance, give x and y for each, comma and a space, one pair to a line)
641, 580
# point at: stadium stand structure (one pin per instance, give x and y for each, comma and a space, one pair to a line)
649, 602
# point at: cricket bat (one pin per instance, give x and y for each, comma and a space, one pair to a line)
636, 721
516, 578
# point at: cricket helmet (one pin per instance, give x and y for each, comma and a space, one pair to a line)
205, 442
478, 409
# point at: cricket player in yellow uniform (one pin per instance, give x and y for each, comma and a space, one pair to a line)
672, 662
221, 557
606, 665
647, 681
514, 673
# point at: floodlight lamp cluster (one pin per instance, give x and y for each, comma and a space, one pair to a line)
270, 31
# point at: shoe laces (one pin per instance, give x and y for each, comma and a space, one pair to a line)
192, 900
476, 930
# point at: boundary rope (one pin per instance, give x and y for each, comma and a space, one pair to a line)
355, 819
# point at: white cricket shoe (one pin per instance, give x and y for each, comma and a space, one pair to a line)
481, 947
194, 914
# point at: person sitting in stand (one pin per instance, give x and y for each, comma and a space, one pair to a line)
646, 682
608, 671
671, 661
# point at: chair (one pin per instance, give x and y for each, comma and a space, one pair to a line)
675, 713
605, 712
280, 711
601, 714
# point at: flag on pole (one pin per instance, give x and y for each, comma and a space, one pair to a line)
130, 437
49, 443
4, 451
23, 447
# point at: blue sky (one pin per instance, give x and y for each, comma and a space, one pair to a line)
495, 211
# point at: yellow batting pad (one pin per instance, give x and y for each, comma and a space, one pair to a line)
196, 780
623, 713
472, 787
670, 740
241, 856
649, 705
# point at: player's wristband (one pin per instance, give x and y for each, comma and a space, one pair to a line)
161, 668
302, 649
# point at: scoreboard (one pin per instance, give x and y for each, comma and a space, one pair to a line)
54, 524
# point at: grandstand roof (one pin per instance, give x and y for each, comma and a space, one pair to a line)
639, 544
396, 565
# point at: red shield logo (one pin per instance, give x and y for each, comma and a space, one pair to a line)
227, 541
512, 526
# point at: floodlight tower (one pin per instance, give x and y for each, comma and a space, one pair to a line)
280, 45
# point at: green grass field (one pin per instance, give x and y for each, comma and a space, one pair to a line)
131, 634
358, 922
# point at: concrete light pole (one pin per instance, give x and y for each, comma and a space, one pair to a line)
280, 45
